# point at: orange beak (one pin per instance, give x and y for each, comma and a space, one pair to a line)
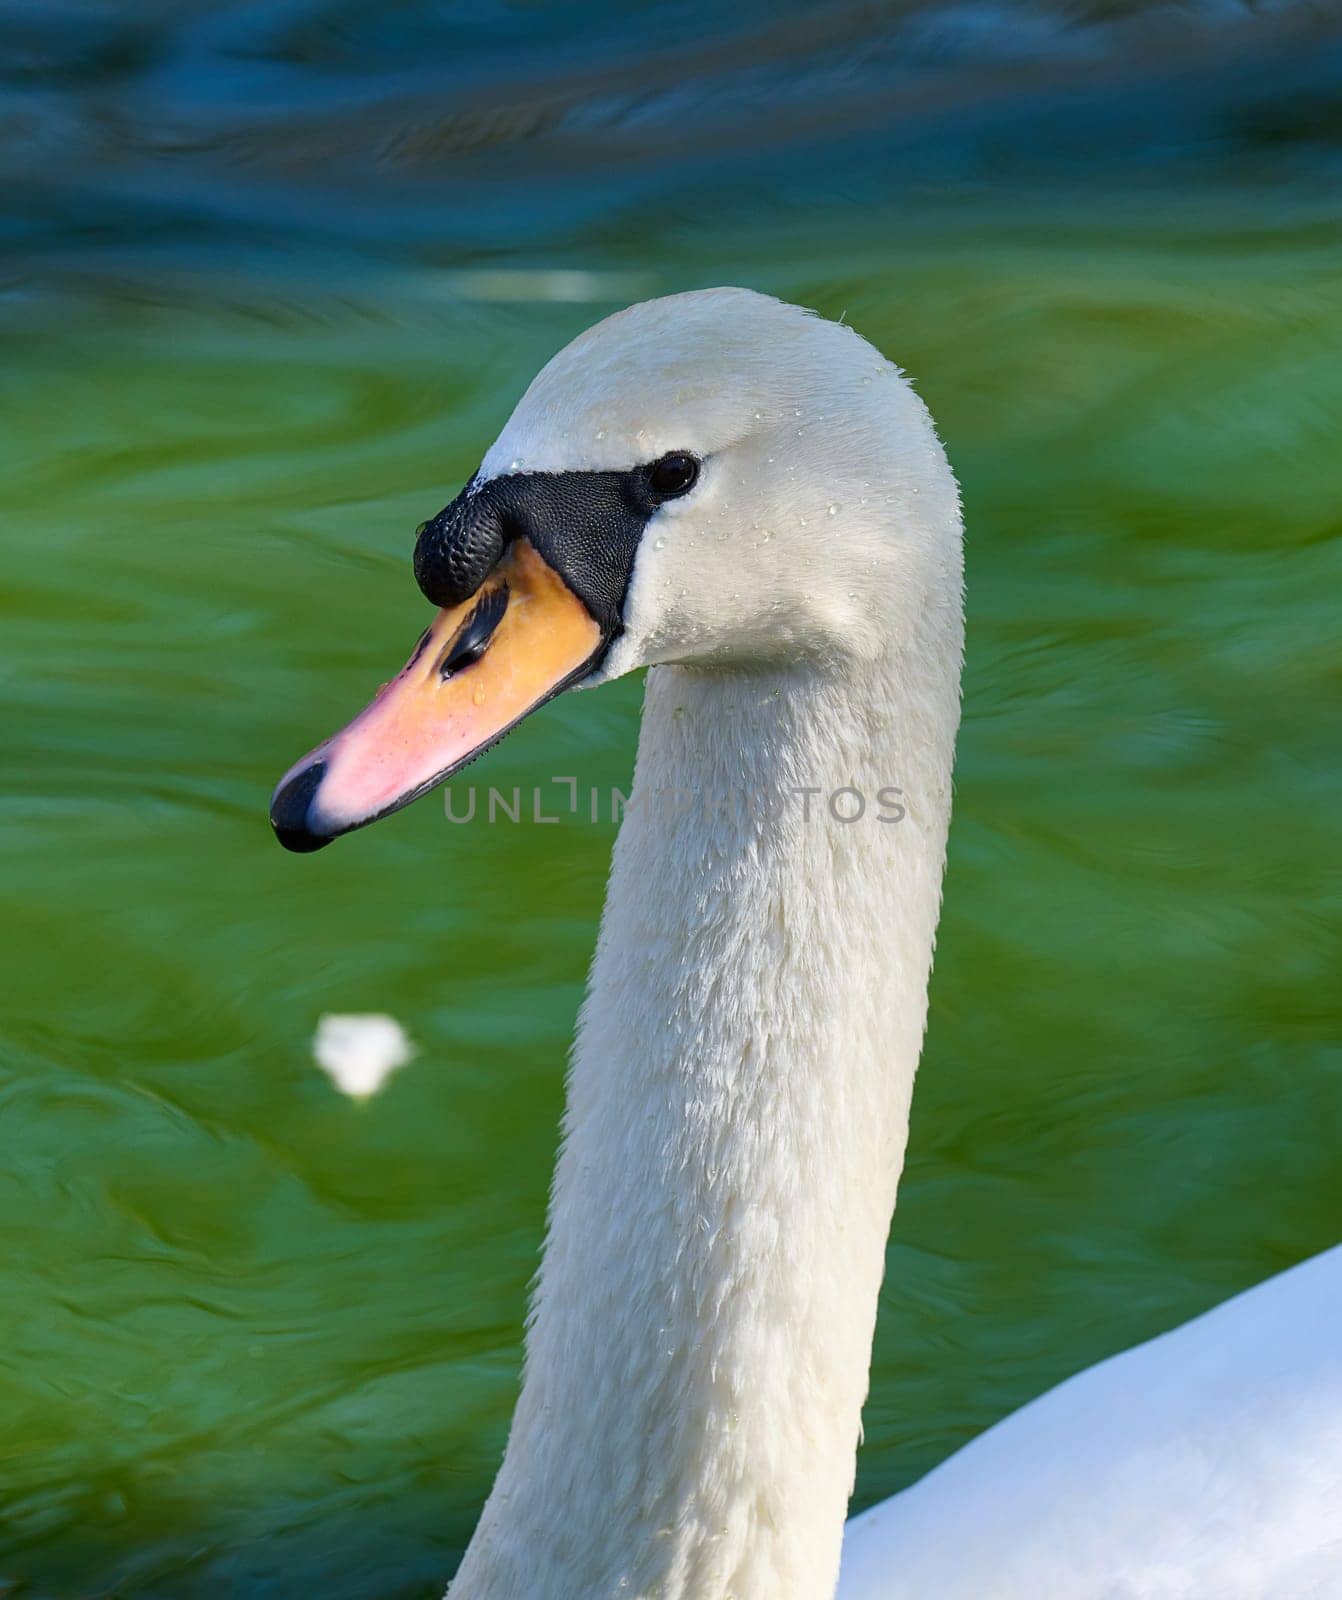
520, 639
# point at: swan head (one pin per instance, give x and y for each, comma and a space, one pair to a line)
714, 479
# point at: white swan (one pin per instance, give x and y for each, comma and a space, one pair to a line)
753, 502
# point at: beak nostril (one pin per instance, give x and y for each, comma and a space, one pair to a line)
472, 638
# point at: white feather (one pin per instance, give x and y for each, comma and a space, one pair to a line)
360, 1052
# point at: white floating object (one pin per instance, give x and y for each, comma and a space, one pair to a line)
359, 1053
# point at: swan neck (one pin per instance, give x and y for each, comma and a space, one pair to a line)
737, 1113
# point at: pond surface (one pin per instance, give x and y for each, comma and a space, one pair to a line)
274, 275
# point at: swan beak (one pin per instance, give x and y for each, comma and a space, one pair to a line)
520, 639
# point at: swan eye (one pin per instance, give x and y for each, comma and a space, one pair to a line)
673, 475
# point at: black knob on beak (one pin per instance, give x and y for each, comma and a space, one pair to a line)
456, 551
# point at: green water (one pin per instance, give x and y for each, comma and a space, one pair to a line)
257, 1339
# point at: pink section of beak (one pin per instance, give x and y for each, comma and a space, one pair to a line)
479, 669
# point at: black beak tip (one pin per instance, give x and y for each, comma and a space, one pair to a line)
290, 807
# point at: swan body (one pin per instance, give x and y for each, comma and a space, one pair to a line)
1206, 1462
753, 503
